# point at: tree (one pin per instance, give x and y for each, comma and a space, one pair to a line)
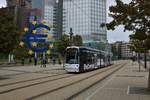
8, 32
62, 44
115, 51
77, 40
134, 17
65, 41
137, 46
20, 52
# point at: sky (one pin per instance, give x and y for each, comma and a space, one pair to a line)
2, 3
116, 35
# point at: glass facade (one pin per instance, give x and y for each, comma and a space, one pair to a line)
51, 12
48, 13
46, 6
85, 18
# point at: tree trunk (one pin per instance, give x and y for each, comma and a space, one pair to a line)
139, 62
149, 80
145, 61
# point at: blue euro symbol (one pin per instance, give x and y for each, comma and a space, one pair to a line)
29, 37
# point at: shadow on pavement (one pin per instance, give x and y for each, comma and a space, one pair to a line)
139, 90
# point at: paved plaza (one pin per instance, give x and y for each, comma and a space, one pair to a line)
54, 83
126, 84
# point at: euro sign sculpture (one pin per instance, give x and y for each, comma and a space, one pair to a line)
32, 37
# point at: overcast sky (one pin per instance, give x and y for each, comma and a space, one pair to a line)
116, 35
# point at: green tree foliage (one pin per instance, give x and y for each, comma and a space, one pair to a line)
116, 51
65, 41
77, 40
136, 44
8, 32
133, 16
20, 52
62, 43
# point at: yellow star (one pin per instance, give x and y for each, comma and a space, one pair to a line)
44, 30
48, 52
50, 37
21, 44
30, 52
34, 22
34, 31
26, 29
43, 22
34, 44
50, 46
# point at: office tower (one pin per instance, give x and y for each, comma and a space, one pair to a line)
85, 18
52, 12
24, 3
21, 12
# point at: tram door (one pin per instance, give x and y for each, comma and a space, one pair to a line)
83, 59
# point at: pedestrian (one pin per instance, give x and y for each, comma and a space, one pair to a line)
22, 61
59, 61
35, 61
44, 62
54, 61
133, 60
30, 60
41, 62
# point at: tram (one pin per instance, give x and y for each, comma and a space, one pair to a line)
81, 59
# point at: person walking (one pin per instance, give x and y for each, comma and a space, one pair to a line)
22, 61
54, 61
59, 61
44, 63
41, 62
35, 61
133, 60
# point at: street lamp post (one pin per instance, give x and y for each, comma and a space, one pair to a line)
71, 36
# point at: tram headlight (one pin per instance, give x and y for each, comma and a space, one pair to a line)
77, 66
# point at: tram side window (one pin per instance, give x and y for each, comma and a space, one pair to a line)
87, 57
83, 57
90, 58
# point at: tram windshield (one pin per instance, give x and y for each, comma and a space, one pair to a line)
72, 56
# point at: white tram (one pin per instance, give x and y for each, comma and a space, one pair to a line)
81, 59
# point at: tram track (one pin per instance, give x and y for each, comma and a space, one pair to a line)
26, 90
96, 82
27, 72
18, 82
73, 83
33, 84
12, 83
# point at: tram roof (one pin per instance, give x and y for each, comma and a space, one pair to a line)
88, 48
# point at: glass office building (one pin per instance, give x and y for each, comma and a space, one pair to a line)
85, 18
51, 12
46, 7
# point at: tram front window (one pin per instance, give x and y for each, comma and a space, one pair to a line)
71, 56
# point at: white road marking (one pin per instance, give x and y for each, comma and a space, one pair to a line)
90, 96
128, 90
